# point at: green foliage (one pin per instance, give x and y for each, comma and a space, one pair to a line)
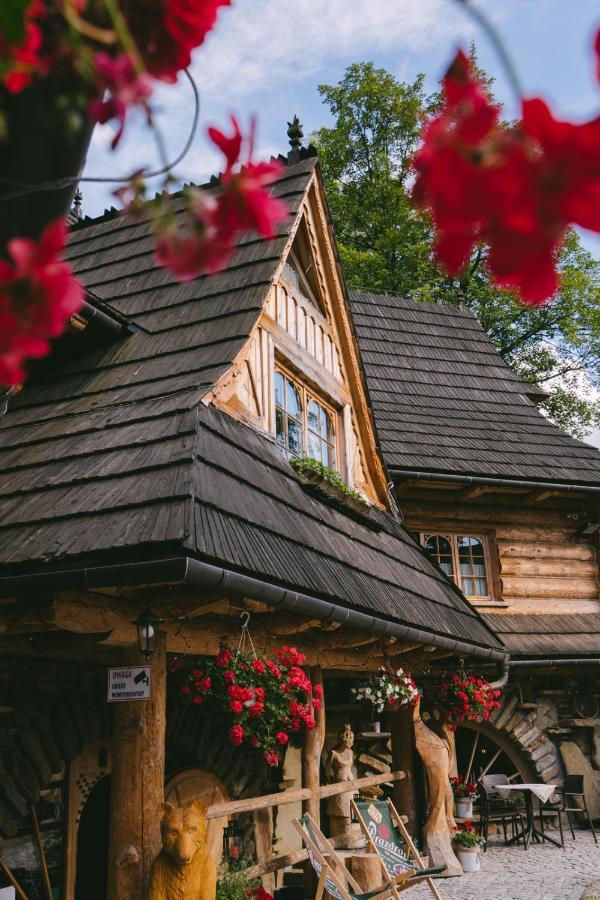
386, 244
464, 836
232, 885
12, 20
305, 465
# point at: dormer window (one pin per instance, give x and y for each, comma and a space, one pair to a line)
304, 425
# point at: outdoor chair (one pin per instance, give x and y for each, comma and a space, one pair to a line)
387, 836
569, 792
327, 864
492, 808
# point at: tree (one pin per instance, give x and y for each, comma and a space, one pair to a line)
386, 244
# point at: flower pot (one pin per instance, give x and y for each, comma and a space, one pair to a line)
464, 807
468, 857
376, 726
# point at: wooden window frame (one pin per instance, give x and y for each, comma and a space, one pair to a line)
306, 395
492, 598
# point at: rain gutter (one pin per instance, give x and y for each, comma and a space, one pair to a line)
185, 570
417, 475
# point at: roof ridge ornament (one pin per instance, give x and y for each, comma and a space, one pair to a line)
295, 135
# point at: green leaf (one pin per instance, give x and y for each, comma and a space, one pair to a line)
12, 20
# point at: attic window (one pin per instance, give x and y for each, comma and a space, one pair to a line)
462, 558
304, 426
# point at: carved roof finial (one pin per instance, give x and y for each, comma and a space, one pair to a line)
295, 134
77, 211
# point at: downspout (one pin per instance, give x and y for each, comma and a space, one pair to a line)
185, 570
416, 475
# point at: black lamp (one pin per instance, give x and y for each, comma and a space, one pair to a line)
232, 841
147, 628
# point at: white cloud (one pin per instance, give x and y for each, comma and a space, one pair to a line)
262, 42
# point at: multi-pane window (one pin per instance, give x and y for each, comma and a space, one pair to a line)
303, 425
462, 558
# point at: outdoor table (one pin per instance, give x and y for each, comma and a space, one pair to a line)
543, 792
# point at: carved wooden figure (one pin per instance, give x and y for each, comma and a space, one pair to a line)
340, 767
185, 868
434, 753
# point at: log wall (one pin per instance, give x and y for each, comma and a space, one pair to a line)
540, 564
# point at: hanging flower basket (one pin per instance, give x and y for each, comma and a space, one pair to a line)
390, 687
260, 700
466, 697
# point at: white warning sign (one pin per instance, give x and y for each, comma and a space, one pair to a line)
129, 684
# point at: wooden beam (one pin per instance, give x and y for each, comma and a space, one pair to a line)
137, 782
540, 496
403, 757
475, 491
293, 795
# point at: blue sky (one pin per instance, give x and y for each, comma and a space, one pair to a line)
268, 56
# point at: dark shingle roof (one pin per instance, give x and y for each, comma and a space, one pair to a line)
444, 401
113, 456
549, 635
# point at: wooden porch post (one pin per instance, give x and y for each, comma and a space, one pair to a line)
311, 773
137, 781
311, 753
403, 757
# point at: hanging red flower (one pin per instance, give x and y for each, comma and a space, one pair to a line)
463, 697
515, 189
261, 701
167, 31
38, 294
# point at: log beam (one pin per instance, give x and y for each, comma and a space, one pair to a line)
403, 757
137, 782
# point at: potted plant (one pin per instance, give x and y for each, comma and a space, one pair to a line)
390, 687
466, 845
259, 700
465, 792
466, 697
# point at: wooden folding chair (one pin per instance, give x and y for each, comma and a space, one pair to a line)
387, 836
327, 864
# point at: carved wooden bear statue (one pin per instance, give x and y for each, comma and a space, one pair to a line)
184, 869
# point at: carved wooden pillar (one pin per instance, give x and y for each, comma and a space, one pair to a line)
137, 782
311, 753
311, 772
403, 757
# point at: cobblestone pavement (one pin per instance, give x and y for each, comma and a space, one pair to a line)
544, 872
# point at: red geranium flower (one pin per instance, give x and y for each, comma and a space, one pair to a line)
167, 31
38, 295
223, 659
236, 735
271, 757
282, 737
236, 706
126, 87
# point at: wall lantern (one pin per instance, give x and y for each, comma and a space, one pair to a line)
147, 628
232, 841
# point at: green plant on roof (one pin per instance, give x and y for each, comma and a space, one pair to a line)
306, 466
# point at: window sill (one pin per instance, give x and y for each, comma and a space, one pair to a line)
476, 602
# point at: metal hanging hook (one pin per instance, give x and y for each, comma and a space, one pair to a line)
245, 617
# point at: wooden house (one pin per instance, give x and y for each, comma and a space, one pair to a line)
508, 506
146, 464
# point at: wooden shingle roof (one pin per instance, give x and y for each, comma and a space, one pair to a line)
113, 457
551, 635
444, 401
